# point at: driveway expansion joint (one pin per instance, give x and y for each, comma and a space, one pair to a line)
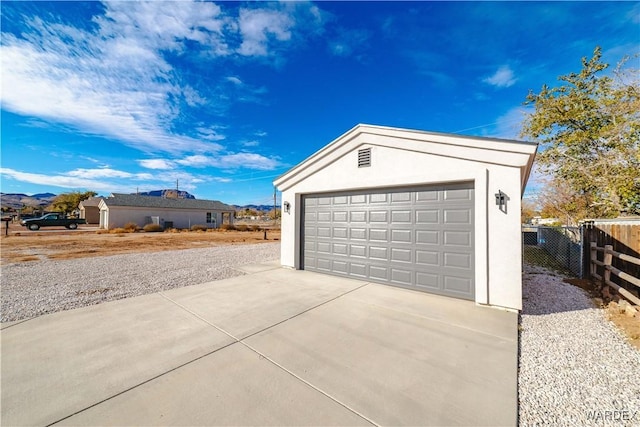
273, 362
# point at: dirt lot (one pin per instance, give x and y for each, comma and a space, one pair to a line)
22, 245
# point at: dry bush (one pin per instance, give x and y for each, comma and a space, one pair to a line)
242, 227
172, 230
118, 230
102, 231
152, 228
255, 227
198, 227
230, 227
131, 227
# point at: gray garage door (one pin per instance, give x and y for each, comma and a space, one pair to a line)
419, 238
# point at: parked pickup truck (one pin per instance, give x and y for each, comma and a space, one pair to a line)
51, 220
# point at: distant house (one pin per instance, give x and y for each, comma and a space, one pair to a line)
120, 209
89, 210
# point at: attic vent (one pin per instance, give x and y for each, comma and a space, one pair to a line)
364, 157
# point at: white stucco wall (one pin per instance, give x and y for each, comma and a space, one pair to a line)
498, 250
118, 216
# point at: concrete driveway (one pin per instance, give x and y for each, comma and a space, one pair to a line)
274, 347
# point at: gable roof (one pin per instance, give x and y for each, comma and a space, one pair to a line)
91, 201
136, 200
481, 149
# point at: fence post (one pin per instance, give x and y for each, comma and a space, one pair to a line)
608, 258
593, 258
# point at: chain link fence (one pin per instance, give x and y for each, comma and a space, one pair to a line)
558, 248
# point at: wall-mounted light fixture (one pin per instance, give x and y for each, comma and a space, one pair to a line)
501, 201
287, 207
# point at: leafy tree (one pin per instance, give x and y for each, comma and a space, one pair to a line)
68, 202
589, 131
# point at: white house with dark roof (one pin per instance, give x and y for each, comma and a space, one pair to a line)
120, 209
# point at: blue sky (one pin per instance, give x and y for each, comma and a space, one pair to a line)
224, 97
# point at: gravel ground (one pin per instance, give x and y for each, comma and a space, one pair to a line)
35, 288
576, 368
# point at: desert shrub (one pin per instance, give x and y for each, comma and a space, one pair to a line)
131, 227
150, 228
242, 227
118, 230
102, 231
198, 227
255, 227
172, 230
228, 227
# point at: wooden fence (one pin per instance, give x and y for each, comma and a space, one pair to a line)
606, 263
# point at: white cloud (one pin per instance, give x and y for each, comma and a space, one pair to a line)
64, 181
259, 27
248, 161
509, 124
99, 173
250, 143
231, 161
234, 80
161, 164
111, 79
503, 77
349, 41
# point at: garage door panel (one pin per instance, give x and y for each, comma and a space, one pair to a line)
428, 237
379, 253
402, 197
378, 198
428, 281
323, 264
340, 233
457, 260
358, 251
457, 216
358, 216
455, 284
340, 216
379, 217
401, 217
378, 234
359, 270
323, 232
420, 238
401, 276
401, 255
457, 238
459, 194
428, 196
379, 273
358, 233
401, 236
427, 216
428, 258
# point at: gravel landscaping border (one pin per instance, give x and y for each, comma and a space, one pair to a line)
576, 367
35, 288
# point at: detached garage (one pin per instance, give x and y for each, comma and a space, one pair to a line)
432, 212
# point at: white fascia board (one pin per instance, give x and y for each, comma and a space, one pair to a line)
484, 150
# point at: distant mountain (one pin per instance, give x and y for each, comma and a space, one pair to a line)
168, 194
44, 196
18, 200
260, 208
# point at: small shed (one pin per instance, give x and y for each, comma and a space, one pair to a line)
90, 210
120, 209
432, 212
